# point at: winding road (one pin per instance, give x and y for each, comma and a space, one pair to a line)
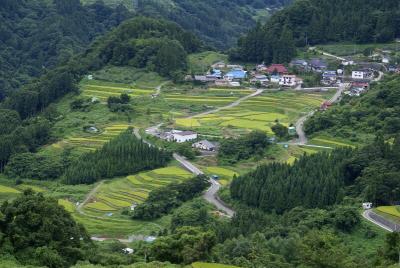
380, 221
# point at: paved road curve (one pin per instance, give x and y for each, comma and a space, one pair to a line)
380, 221
302, 140
211, 194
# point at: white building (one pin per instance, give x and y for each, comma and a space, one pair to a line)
127, 250
361, 75
288, 80
385, 59
183, 136
367, 205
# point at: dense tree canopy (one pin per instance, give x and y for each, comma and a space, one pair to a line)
218, 23
161, 201
121, 156
376, 112
321, 180
35, 35
233, 150
310, 22
36, 230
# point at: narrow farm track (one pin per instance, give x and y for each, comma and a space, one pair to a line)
231, 105
89, 196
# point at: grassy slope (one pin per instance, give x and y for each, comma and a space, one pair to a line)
346, 49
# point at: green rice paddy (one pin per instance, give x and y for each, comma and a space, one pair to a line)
333, 142
122, 193
257, 113
102, 90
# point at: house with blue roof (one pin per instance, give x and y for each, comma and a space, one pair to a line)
236, 74
216, 73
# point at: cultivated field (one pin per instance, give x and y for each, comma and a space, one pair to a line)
122, 193
258, 113
391, 210
102, 90
324, 140
346, 49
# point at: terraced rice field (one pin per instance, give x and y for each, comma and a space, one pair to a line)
391, 210
8, 190
102, 90
69, 206
91, 142
258, 113
122, 193
331, 142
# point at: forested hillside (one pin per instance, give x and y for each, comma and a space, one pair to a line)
376, 112
218, 23
141, 42
310, 22
35, 35
122, 156
324, 179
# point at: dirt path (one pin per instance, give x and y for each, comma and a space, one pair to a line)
89, 196
233, 104
326, 54
159, 87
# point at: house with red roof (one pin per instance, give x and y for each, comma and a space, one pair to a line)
277, 69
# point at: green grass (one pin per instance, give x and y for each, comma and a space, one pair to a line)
225, 174
69, 206
200, 63
362, 244
346, 49
8, 190
33, 187
325, 140
130, 76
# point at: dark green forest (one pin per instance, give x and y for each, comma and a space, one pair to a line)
310, 22
161, 201
121, 156
324, 179
304, 214
375, 113
37, 231
217, 23
37, 35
